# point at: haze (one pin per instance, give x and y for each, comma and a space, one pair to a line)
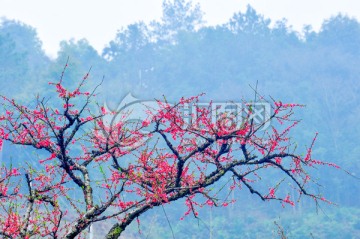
98, 21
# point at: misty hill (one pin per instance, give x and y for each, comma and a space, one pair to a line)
180, 56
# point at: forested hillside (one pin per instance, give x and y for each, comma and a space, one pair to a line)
181, 56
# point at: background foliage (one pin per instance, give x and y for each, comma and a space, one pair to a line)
180, 56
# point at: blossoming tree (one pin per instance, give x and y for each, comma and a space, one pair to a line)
96, 171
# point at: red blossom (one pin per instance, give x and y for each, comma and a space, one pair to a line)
132, 170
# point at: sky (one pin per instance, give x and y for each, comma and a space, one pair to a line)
98, 21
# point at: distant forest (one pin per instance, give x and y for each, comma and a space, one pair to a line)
180, 56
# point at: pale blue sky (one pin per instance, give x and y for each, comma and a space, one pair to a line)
98, 21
